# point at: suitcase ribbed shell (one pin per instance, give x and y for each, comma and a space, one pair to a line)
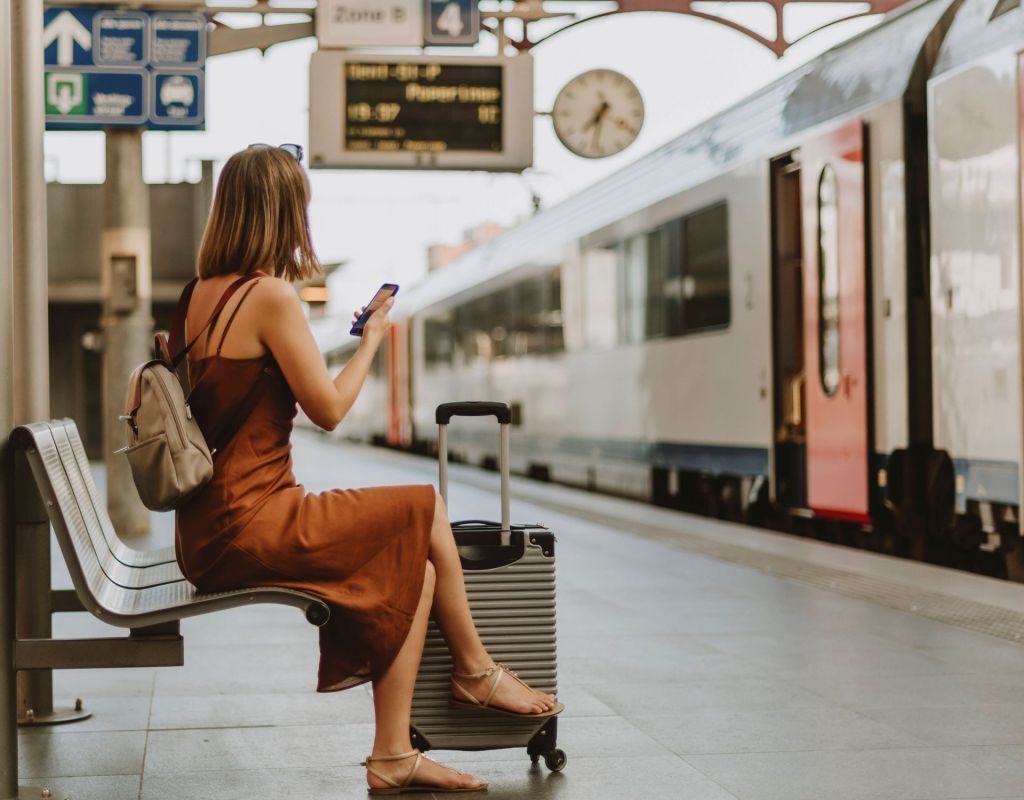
514, 610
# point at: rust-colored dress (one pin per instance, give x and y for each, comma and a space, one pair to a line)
363, 551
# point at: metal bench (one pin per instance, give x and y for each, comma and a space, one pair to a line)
144, 591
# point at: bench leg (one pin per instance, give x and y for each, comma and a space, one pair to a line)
9, 788
34, 602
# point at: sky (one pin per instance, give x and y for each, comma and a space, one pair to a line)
380, 223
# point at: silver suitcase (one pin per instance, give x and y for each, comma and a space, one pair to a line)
510, 580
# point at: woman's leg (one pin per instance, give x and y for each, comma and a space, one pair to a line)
451, 610
392, 701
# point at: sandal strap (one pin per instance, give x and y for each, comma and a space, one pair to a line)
494, 687
475, 676
389, 780
497, 669
398, 757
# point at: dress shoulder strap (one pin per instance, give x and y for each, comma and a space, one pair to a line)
178, 334
234, 311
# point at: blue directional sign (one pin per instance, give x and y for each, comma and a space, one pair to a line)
451, 22
123, 68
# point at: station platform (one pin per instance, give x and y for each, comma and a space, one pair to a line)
697, 660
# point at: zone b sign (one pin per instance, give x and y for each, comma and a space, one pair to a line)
452, 22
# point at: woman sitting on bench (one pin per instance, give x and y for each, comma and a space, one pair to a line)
382, 558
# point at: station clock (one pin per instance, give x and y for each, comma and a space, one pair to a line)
598, 113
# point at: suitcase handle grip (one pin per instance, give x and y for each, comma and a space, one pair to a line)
477, 408
474, 408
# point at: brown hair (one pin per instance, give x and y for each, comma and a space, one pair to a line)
258, 219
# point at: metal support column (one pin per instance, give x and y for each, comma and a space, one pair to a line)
8, 702
31, 359
127, 313
9, 197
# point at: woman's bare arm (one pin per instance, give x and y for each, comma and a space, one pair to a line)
284, 330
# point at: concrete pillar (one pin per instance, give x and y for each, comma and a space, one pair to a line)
127, 321
31, 361
31, 329
8, 704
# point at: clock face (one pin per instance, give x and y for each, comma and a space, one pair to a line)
598, 113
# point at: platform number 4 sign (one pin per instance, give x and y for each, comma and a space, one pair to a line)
452, 22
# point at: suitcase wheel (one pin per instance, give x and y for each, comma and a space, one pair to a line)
555, 760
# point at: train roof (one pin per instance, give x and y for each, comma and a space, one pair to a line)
871, 68
976, 33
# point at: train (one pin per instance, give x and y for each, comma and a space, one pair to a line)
804, 313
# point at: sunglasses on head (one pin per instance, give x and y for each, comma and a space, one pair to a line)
294, 150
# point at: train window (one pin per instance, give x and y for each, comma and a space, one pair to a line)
554, 337
632, 289
1002, 7
501, 322
704, 262
600, 287
525, 319
654, 319
828, 279
438, 342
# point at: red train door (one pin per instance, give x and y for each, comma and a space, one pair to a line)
835, 323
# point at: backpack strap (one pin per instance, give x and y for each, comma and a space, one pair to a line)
178, 333
178, 325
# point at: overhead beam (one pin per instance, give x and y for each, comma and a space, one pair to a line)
223, 39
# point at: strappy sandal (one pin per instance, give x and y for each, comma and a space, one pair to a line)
499, 671
407, 786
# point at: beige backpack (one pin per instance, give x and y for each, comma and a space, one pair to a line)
169, 457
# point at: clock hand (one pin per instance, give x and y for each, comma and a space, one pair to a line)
598, 116
597, 135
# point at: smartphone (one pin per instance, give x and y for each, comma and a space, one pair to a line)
383, 293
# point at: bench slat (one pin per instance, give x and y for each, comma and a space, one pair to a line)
88, 520
128, 556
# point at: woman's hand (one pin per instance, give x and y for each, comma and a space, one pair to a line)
377, 325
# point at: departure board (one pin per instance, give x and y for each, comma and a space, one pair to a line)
429, 107
421, 112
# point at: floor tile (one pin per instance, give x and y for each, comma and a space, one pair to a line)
241, 669
635, 778
91, 683
273, 709
108, 714
1001, 724
292, 747
881, 690
893, 774
80, 754
717, 730
257, 784
98, 787
644, 700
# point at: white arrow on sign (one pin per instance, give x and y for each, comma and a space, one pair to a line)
67, 31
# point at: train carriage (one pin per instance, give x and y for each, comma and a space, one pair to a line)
974, 99
755, 305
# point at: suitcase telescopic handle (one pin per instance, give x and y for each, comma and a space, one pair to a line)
444, 414
473, 408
